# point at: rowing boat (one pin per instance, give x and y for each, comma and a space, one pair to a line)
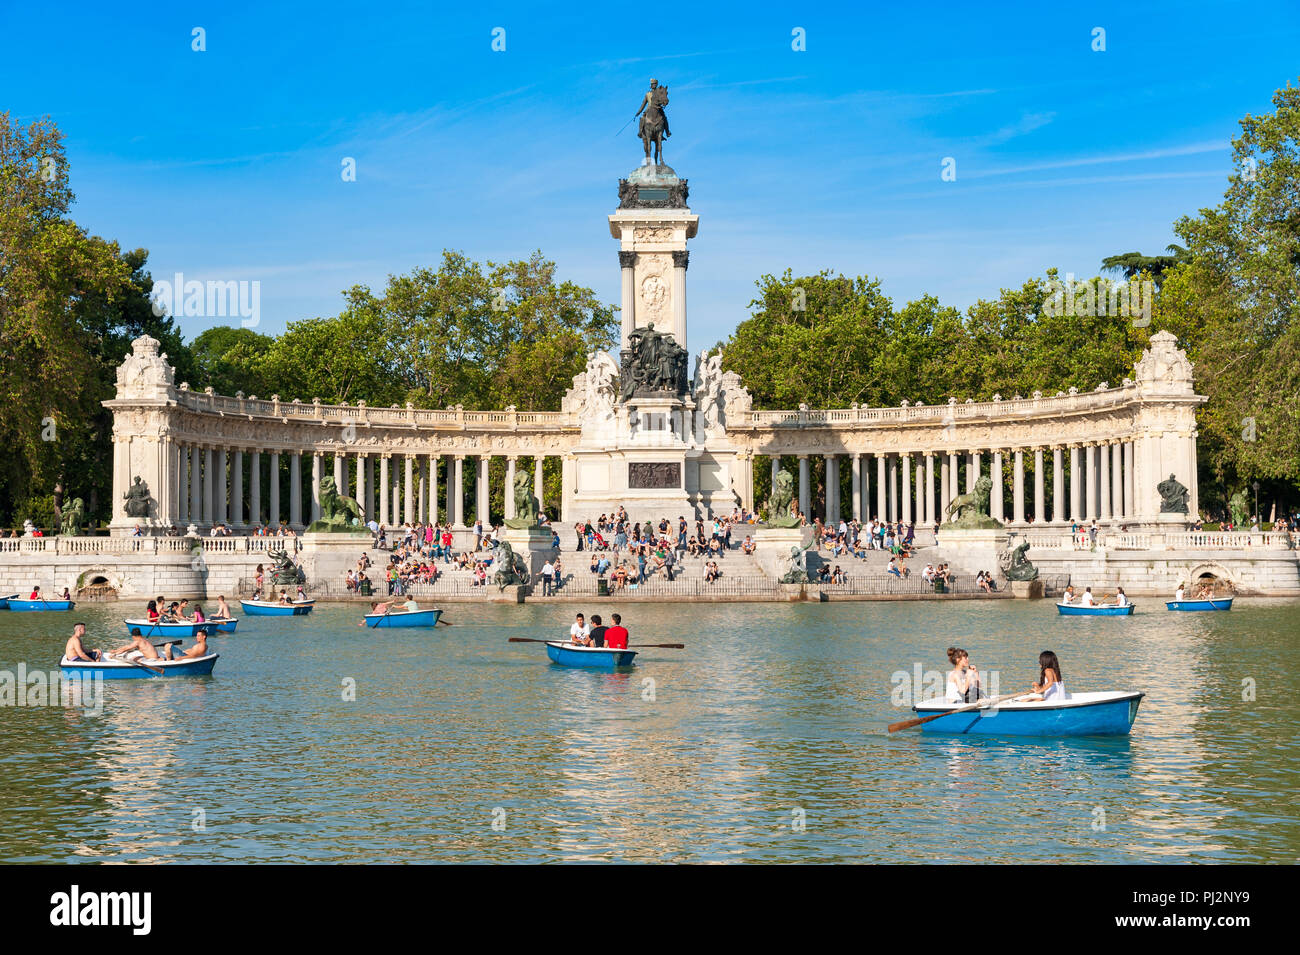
1080, 714
116, 669
1223, 603
404, 618
572, 655
1096, 610
273, 608
4, 601
27, 605
180, 629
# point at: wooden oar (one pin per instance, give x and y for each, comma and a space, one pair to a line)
135, 663
665, 646
908, 724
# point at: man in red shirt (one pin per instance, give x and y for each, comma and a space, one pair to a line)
616, 636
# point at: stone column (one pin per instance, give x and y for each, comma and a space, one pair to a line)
627, 266
1058, 485
997, 505
882, 499
359, 492
483, 511
856, 479
509, 498
408, 488
866, 488
273, 517
1128, 480
681, 257
422, 491
183, 487
929, 489
1090, 480
538, 478
433, 489
1040, 502
832, 489
209, 479
892, 472
456, 503
385, 489
803, 485
907, 489
954, 477
1117, 479
1103, 455
237, 489
1018, 489
219, 500
972, 470
255, 487
340, 474
368, 506
295, 490
945, 480
395, 492
196, 485
1076, 484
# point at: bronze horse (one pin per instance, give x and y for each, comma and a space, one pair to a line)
654, 125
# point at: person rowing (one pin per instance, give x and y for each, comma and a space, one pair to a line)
1087, 600
76, 649
139, 645
223, 609
616, 635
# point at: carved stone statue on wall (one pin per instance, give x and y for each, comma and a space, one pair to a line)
513, 569
653, 364
797, 571
139, 502
285, 573
1014, 564
72, 517
1173, 496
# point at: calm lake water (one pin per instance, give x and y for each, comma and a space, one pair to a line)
762, 741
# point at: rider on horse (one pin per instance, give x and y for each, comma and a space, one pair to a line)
653, 103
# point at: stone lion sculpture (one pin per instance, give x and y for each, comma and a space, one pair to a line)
527, 510
74, 513
778, 505
972, 510
513, 571
337, 513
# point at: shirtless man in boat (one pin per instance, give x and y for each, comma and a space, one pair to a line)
76, 650
200, 648
137, 643
223, 609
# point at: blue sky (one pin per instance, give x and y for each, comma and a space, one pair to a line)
226, 163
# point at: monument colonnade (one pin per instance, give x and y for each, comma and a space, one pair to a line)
211, 459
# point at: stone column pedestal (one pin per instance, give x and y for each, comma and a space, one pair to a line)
533, 544
772, 548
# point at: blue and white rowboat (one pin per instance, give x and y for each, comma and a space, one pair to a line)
184, 629
25, 605
115, 669
4, 601
1224, 603
1080, 714
273, 608
603, 658
1096, 610
404, 618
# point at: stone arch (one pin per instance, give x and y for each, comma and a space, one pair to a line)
1214, 574
98, 583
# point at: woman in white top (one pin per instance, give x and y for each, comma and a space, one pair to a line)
1178, 594
1050, 685
964, 680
